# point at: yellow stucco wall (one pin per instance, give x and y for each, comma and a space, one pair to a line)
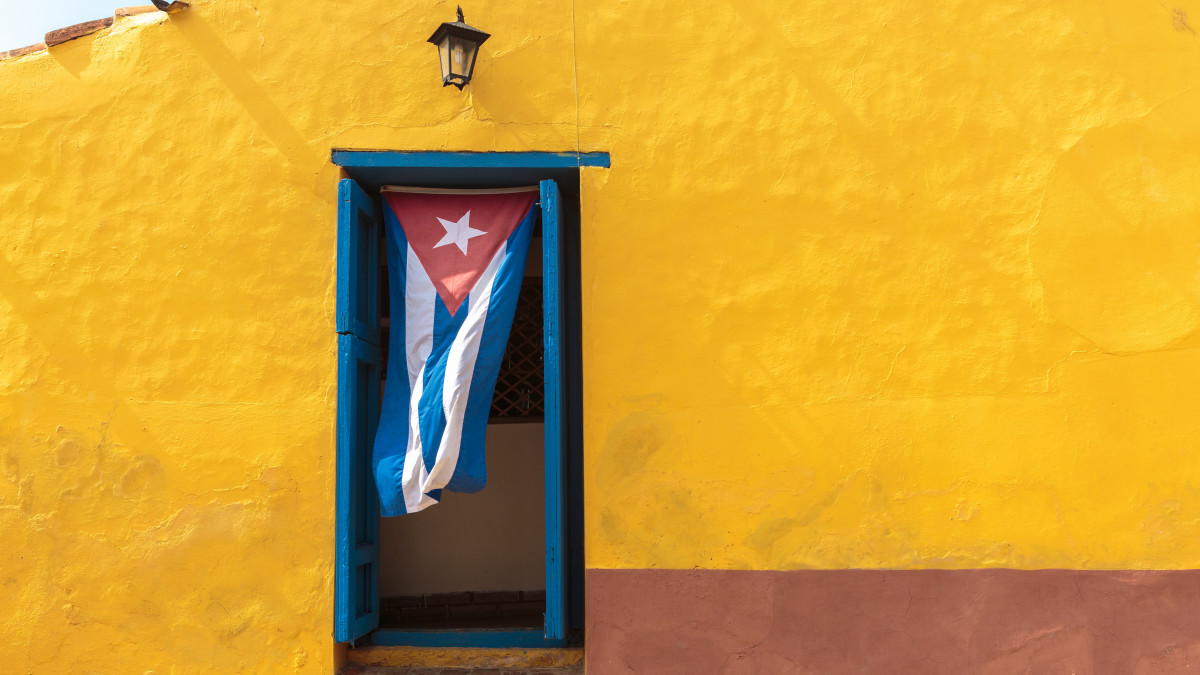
868, 285
893, 285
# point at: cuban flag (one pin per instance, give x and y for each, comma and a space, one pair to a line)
456, 259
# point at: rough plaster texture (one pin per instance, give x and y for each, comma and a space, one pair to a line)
167, 348
887, 285
869, 284
923, 622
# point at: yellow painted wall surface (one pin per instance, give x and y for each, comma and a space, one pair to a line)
881, 284
893, 285
167, 281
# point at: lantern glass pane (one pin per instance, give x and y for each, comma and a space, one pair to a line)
460, 52
444, 56
472, 52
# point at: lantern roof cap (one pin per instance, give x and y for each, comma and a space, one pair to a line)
458, 29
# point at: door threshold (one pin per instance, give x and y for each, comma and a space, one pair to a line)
464, 657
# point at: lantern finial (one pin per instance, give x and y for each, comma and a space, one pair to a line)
460, 16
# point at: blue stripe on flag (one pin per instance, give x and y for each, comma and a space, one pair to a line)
388, 457
432, 413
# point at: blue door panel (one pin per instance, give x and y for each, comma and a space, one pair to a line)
358, 262
555, 371
356, 563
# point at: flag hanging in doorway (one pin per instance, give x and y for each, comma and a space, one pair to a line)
456, 259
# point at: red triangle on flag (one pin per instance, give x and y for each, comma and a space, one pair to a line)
455, 234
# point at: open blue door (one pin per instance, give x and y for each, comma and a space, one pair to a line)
356, 572
555, 374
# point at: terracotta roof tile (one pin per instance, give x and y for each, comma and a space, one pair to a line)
57, 37
61, 35
22, 51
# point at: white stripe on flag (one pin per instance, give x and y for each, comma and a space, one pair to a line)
419, 299
460, 369
415, 476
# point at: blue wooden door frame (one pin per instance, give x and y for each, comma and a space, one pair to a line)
356, 572
553, 369
375, 167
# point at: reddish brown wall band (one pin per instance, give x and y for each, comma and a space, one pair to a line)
695, 622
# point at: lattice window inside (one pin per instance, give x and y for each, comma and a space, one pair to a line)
520, 394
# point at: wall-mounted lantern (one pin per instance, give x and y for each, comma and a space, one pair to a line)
458, 45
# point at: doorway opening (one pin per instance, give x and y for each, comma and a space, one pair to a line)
405, 582
477, 561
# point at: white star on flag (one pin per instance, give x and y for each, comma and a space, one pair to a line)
458, 233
